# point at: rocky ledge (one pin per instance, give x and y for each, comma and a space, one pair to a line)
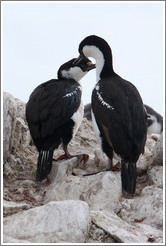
69, 207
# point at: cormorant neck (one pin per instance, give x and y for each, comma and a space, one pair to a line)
74, 73
103, 59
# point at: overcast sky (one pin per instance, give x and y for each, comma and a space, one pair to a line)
38, 37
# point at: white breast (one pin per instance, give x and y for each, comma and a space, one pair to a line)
77, 118
155, 127
96, 129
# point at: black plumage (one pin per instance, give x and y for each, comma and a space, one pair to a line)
118, 110
49, 113
154, 120
87, 111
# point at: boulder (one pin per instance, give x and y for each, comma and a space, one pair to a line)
157, 151
55, 222
13, 207
18, 151
100, 191
9, 115
148, 206
123, 232
155, 176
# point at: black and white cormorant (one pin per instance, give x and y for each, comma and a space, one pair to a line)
155, 121
54, 113
117, 110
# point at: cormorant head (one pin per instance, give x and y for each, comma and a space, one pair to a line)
70, 70
90, 43
99, 49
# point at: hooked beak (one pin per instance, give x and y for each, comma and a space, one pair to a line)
82, 59
90, 66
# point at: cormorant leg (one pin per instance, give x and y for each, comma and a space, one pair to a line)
117, 167
67, 155
85, 157
109, 168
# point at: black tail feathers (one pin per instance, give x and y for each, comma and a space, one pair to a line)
128, 176
44, 164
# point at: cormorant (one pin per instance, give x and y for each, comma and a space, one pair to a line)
54, 113
117, 111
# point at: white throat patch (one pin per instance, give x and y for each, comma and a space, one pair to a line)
73, 73
93, 51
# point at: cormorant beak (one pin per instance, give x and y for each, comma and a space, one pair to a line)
82, 60
90, 66
79, 59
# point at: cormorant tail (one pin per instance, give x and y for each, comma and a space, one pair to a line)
128, 176
44, 164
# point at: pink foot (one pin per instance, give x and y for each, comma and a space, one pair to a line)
117, 167
64, 157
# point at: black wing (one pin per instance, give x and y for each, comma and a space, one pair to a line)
51, 105
122, 119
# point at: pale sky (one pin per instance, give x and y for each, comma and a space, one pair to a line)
38, 37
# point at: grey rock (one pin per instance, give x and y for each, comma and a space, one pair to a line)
98, 235
158, 152
10, 208
9, 114
149, 206
155, 176
123, 232
18, 151
101, 191
56, 222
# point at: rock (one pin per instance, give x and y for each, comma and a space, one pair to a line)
157, 151
142, 163
155, 167
121, 231
155, 176
13, 240
155, 136
56, 222
149, 206
101, 191
13, 207
145, 159
16, 139
15, 127
9, 113
98, 235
